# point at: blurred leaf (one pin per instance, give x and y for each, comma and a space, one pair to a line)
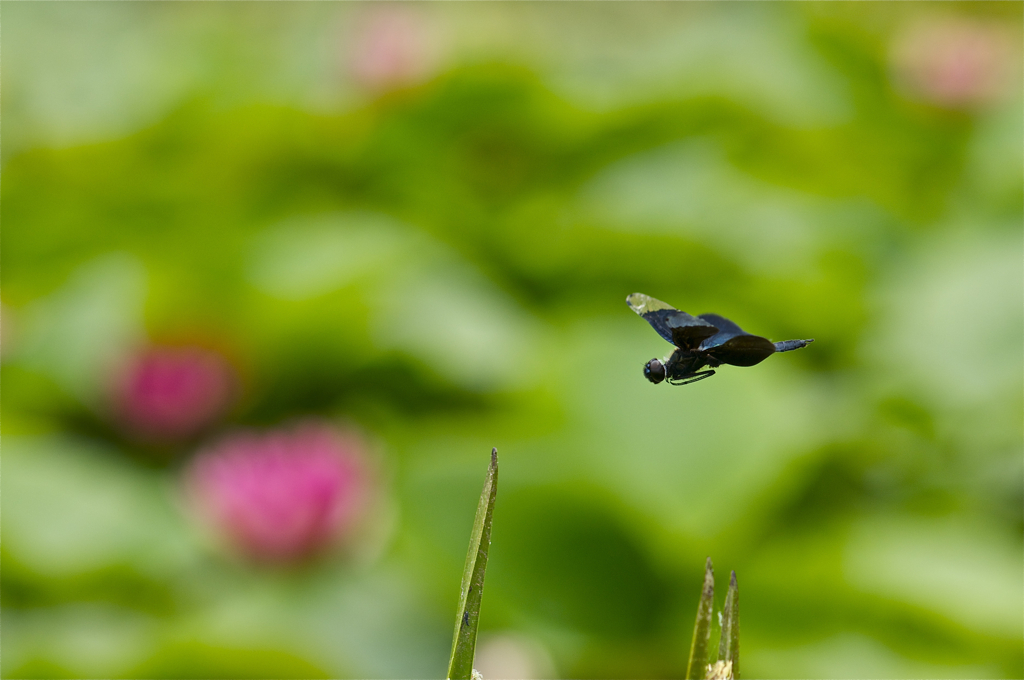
196, 659
460, 666
78, 333
305, 257
553, 540
74, 511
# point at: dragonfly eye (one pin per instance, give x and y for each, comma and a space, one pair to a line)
654, 371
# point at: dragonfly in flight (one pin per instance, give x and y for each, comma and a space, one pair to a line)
706, 340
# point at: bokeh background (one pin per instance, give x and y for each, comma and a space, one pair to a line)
277, 276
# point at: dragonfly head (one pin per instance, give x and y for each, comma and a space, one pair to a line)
654, 371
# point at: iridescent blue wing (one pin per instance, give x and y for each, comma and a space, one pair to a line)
734, 346
726, 330
679, 328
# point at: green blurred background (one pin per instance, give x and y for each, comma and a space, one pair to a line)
421, 221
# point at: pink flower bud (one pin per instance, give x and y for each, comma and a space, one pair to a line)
954, 62
391, 48
281, 496
172, 393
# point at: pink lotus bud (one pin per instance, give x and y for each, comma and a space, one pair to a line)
172, 393
282, 496
954, 62
391, 48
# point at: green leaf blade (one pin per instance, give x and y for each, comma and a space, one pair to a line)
729, 646
702, 627
460, 665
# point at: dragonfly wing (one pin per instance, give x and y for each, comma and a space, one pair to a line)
727, 330
678, 327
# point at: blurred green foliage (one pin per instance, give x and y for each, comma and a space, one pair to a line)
442, 260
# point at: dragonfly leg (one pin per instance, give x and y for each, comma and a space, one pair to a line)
692, 378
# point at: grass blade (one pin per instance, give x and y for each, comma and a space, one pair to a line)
729, 645
460, 665
702, 628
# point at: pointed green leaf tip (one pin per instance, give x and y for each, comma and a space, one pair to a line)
702, 628
460, 666
729, 644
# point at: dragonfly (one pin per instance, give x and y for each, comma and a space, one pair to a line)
707, 340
